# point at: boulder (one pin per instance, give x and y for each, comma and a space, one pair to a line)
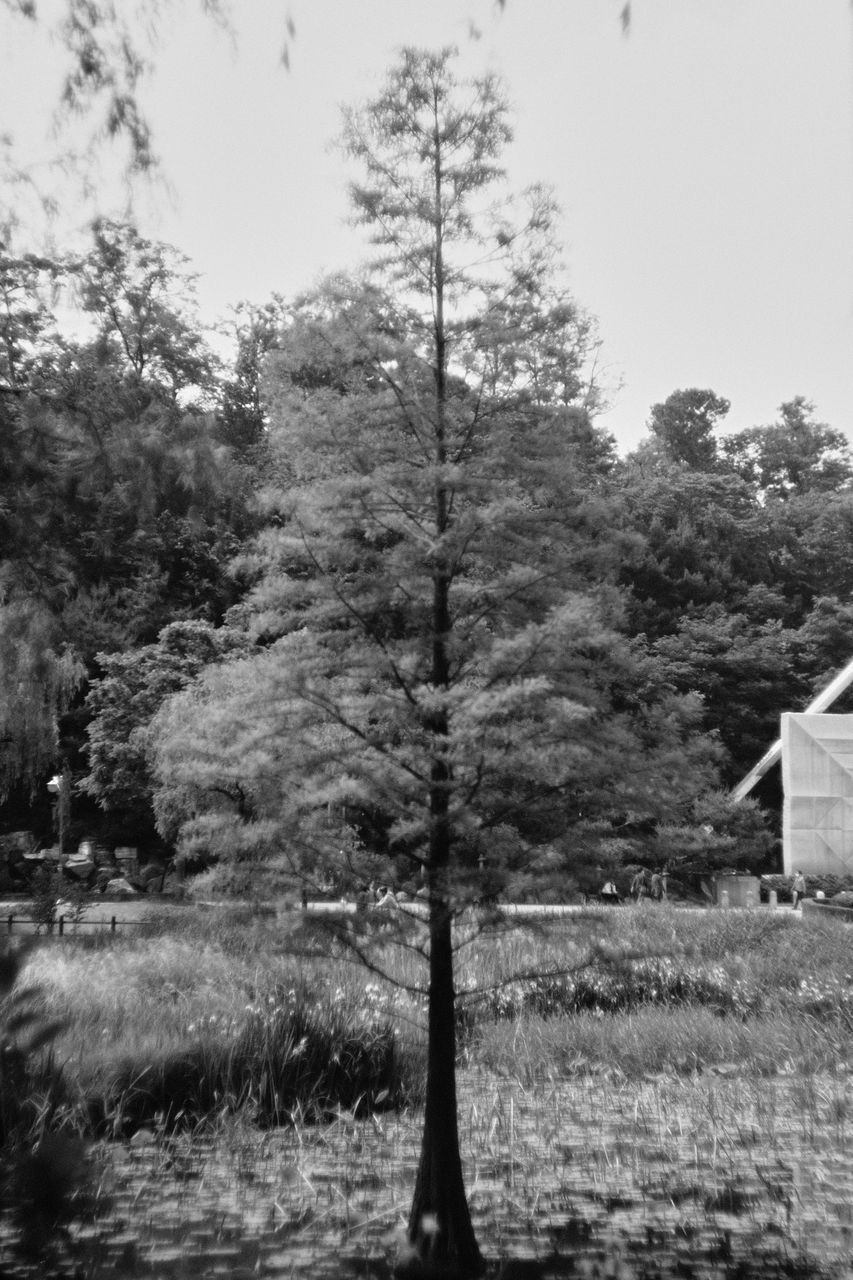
121, 887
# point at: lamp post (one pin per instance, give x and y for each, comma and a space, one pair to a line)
60, 787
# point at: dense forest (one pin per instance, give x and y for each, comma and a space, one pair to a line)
175, 526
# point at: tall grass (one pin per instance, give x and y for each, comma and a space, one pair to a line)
217, 1011
292, 1058
668, 991
622, 1079
170, 1030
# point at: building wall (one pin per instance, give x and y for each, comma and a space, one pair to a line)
817, 777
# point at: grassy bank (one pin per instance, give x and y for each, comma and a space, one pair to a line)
635, 1085
218, 1011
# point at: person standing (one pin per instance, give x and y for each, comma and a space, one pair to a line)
656, 887
798, 889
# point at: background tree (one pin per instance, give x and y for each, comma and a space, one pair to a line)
255, 330
123, 700
120, 505
721, 834
704, 540
682, 426
140, 295
742, 567
792, 457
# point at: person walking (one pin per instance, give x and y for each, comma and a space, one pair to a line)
798, 889
656, 887
639, 885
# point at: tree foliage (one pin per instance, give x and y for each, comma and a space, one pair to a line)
683, 425
793, 456
744, 567
122, 702
140, 294
39, 680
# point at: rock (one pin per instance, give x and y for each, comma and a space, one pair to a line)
121, 886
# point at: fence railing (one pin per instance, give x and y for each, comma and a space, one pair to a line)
62, 923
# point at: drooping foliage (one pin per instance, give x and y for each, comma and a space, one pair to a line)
120, 507
39, 679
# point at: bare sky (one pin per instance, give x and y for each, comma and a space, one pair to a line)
704, 165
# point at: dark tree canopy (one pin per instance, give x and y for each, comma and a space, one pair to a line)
683, 425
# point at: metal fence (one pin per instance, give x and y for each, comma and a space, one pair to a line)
62, 924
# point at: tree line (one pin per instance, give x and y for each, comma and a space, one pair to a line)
167, 522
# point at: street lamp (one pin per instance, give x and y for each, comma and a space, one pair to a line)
59, 786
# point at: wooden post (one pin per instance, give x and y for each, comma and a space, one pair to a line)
113, 925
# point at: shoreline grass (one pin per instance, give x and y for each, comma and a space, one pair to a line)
654, 1071
227, 1010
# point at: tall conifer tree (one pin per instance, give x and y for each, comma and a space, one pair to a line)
436, 648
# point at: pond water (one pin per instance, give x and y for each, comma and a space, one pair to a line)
713, 1176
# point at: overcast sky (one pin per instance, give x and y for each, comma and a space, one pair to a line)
704, 165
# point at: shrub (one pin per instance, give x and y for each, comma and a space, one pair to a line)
623, 987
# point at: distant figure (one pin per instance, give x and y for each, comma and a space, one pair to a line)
664, 884
656, 887
639, 885
384, 897
798, 889
609, 893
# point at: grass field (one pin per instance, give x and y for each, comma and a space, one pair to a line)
643, 1092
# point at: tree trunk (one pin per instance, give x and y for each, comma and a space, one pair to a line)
440, 1227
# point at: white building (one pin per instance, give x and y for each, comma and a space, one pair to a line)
817, 778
